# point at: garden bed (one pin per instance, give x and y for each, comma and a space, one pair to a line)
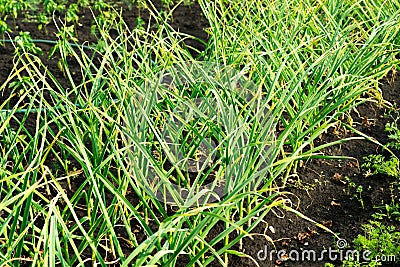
333, 192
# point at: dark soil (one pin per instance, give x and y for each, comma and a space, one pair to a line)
319, 188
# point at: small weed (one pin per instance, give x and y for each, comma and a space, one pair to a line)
355, 191
50, 6
139, 23
169, 3
394, 134
25, 44
72, 13
83, 3
42, 20
359, 195
4, 27
101, 5
356, 263
377, 164
350, 185
13, 7
390, 211
104, 21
